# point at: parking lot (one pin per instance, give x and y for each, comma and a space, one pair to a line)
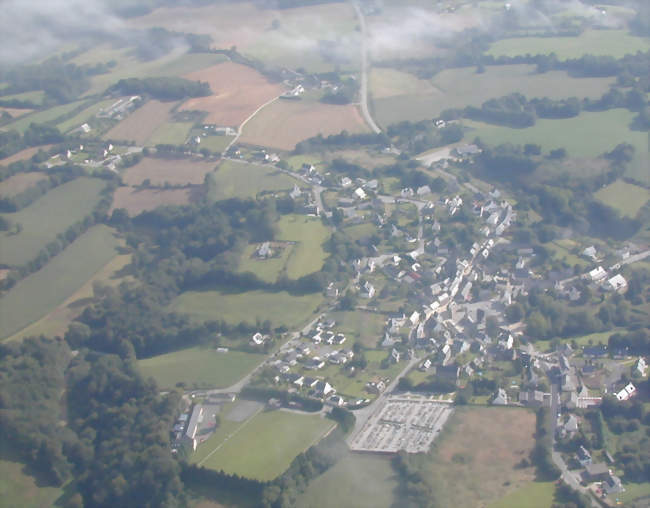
402, 423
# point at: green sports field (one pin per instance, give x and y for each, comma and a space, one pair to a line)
61, 207
199, 367
264, 446
39, 293
242, 180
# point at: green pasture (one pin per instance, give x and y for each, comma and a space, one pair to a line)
266, 269
171, 133
533, 495
20, 489
365, 327
41, 292
627, 198
366, 481
216, 143
83, 116
280, 308
47, 217
200, 367
460, 87
35, 96
46, 116
616, 43
589, 134
309, 233
242, 180
263, 447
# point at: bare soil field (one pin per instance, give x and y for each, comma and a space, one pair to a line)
141, 124
237, 92
136, 201
174, 171
476, 459
19, 182
285, 122
15, 112
23, 154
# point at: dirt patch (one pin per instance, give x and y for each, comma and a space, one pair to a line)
19, 182
140, 125
478, 459
285, 122
136, 201
174, 171
27, 153
237, 92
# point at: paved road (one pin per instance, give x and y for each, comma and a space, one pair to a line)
364, 72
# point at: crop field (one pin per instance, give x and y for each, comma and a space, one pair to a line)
42, 291
365, 327
309, 233
237, 92
136, 201
286, 122
63, 206
27, 153
586, 135
616, 43
175, 171
18, 488
171, 133
201, 367
455, 88
46, 116
266, 269
57, 321
242, 180
628, 199
368, 479
83, 116
142, 123
19, 182
476, 457
280, 308
264, 446
533, 495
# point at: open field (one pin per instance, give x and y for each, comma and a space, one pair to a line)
46, 116
63, 206
27, 153
369, 480
136, 201
171, 133
142, 123
635, 491
264, 446
286, 122
35, 96
15, 112
365, 327
266, 269
83, 116
19, 182
616, 43
455, 88
310, 234
199, 367
280, 308
20, 489
237, 92
233, 179
476, 456
216, 143
175, 171
57, 321
532, 495
57, 280
586, 135
624, 197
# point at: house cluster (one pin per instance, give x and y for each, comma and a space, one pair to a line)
598, 472
120, 108
304, 201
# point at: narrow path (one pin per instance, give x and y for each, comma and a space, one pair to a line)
241, 127
364, 71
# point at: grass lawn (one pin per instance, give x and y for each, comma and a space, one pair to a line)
562, 253
587, 135
616, 43
62, 206
172, 133
264, 446
369, 480
459, 87
266, 269
364, 327
199, 367
309, 233
41, 292
242, 180
280, 308
19, 489
359, 231
624, 197
533, 495
635, 491
46, 116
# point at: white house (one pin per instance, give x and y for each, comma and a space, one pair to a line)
616, 283
627, 392
597, 274
360, 193
501, 398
